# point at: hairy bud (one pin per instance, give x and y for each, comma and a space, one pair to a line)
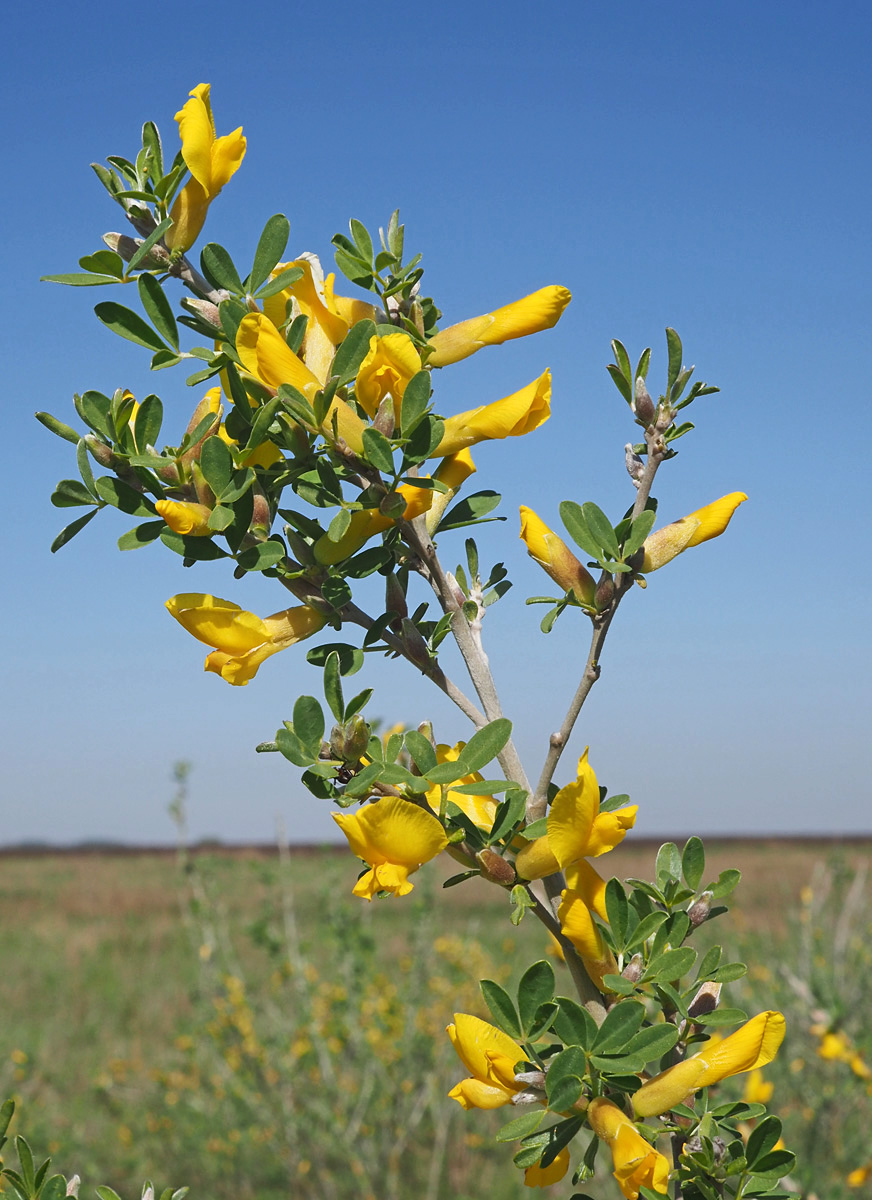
414, 644
384, 418
392, 505
494, 868
156, 259
261, 517
634, 969
634, 464
705, 1000
700, 909
643, 406
204, 309
101, 453
73, 1184
356, 739
605, 593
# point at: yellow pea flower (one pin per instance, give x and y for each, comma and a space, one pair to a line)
859, 1176
481, 810
752, 1046
637, 1164
513, 416
367, 522
211, 160
185, 517
325, 328
241, 640
266, 355
667, 543
542, 1177
390, 363
576, 828
395, 837
584, 881
555, 557
758, 1089
579, 927
532, 314
453, 471
490, 1056
351, 310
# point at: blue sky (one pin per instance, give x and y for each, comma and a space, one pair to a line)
700, 166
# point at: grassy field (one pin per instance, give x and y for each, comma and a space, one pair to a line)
180, 1021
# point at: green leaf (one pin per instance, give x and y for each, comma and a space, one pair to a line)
618, 984
618, 911
94, 408
722, 1016
424, 440
573, 518
620, 1024
352, 351
58, 427
292, 748
270, 249
219, 269
152, 240
693, 862
336, 591
486, 743
216, 463
378, 451
421, 750
70, 531
416, 397
283, 280
54, 1188
536, 829
78, 279
128, 324
447, 772
103, 262
70, 493
502, 1007
351, 659
353, 269
601, 529
200, 549
646, 928
643, 364
158, 308
727, 881
671, 964
470, 511
361, 238
653, 1041
121, 495
357, 703
729, 973
84, 465
673, 343
535, 988
148, 421
667, 865
521, 1126
574, 1025
622, 360
262, 556
141, 535
309, 723
762, 1138
639, 530
333, 686
563, 1092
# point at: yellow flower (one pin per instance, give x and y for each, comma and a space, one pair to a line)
185, 517
350, 310
266, 355
325, 329
637, 1164
835, 1045
579, 927
367, 522
481, 810
537, 1176
453, 471
584, 881
758, 1090
555, 557
752, 1046
241, 639
667, 543
859, 1176
576, 828
490, 1056
211, 160
513, 416
394, 837
390, 363
532, 314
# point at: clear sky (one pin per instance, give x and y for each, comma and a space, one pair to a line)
700, 166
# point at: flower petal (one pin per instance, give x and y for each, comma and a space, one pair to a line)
538, 311
513, 416
218, 623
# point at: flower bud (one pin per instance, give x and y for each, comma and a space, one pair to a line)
261, 517
384, 419
494, 868
605, 593
337, 741
156, 259
643, 406
73, 1184
700, 909
634, 464
101, 453
705, 1000
414, 645
204, 309
356, 739
634, 969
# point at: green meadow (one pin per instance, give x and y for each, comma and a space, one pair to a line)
235, 1021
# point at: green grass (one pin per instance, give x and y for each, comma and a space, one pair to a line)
125, 1064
